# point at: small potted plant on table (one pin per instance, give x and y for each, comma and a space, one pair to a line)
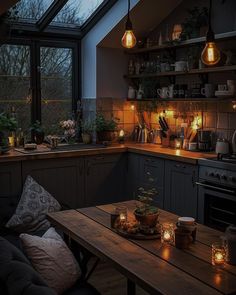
7, 124
145, 213
105, 128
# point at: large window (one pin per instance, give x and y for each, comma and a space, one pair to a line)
56, 85
40, 82
15, 82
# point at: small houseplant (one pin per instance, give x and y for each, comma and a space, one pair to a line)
37, 132
105, 128
146, 213
70, 131
87, 128
197, 18
7, 124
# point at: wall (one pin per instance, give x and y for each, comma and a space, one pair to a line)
91, 40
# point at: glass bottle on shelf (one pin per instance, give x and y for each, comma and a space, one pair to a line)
131, 68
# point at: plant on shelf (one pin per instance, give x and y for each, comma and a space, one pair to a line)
105, 128
37, 132
87, 128
146, 213
196, 19
7, 124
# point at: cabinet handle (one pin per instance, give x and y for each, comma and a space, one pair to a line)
99, 158
180, 166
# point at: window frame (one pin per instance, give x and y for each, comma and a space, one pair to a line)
35, 75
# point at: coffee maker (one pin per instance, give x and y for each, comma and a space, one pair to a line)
204, 140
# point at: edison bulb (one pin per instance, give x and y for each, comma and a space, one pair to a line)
128, 40
210, 54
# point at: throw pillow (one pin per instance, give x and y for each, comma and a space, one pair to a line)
52, 259
31, 211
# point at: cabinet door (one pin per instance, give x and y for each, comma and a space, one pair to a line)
105, 179
180, 188
132, 179
10, 179
152, 176
62, 178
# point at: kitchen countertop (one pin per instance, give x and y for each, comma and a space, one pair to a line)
145, 149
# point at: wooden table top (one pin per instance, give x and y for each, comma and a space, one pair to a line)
159, 269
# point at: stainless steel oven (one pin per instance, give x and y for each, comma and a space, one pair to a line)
216, 197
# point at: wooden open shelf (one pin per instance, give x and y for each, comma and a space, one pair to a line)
191, 72
190, 42
188, 99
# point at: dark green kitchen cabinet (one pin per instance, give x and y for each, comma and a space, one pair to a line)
10, 179
104, 179
63, 178
132, 175
151, 175
180, 188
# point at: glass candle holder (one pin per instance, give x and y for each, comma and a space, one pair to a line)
218, 254
122, 213
178, 143
167, 233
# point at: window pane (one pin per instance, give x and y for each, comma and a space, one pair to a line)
76, 12
56, 86
31, 10
15, 82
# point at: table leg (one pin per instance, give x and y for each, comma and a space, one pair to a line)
131, 288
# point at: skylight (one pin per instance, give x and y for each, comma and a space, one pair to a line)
31, 10
76, 12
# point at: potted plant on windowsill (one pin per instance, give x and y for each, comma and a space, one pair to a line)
146, 213
105, 128
37, 132
87, 128
7, 124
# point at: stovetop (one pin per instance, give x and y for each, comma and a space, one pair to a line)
227, 162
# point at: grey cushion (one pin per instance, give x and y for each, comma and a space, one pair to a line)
17, 277
34, 204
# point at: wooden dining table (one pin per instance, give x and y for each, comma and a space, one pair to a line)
157, 268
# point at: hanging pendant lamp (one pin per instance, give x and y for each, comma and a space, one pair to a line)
210, 54
128, 40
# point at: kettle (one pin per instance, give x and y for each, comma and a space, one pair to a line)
234, 142
222, 146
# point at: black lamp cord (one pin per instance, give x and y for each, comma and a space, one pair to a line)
128, 25
210, 37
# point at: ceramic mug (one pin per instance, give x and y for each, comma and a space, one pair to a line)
163, 92
208, 90
222, 87
180, 66
171, 91
231, 85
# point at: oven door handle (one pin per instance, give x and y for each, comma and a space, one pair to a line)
215, 187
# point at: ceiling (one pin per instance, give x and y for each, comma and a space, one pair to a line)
145, 16
6, 4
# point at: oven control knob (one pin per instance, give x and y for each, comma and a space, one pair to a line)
212, 174
223, 177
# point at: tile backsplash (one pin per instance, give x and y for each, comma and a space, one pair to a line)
219, 117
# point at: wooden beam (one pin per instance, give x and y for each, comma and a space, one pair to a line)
6, 4
50, 13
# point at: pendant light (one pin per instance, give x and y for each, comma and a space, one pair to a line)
128, 40
210, 54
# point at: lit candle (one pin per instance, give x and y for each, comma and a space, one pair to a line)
177, 143
167, 233
121, 135
122, 217
167, 236
218, 254
11, 140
